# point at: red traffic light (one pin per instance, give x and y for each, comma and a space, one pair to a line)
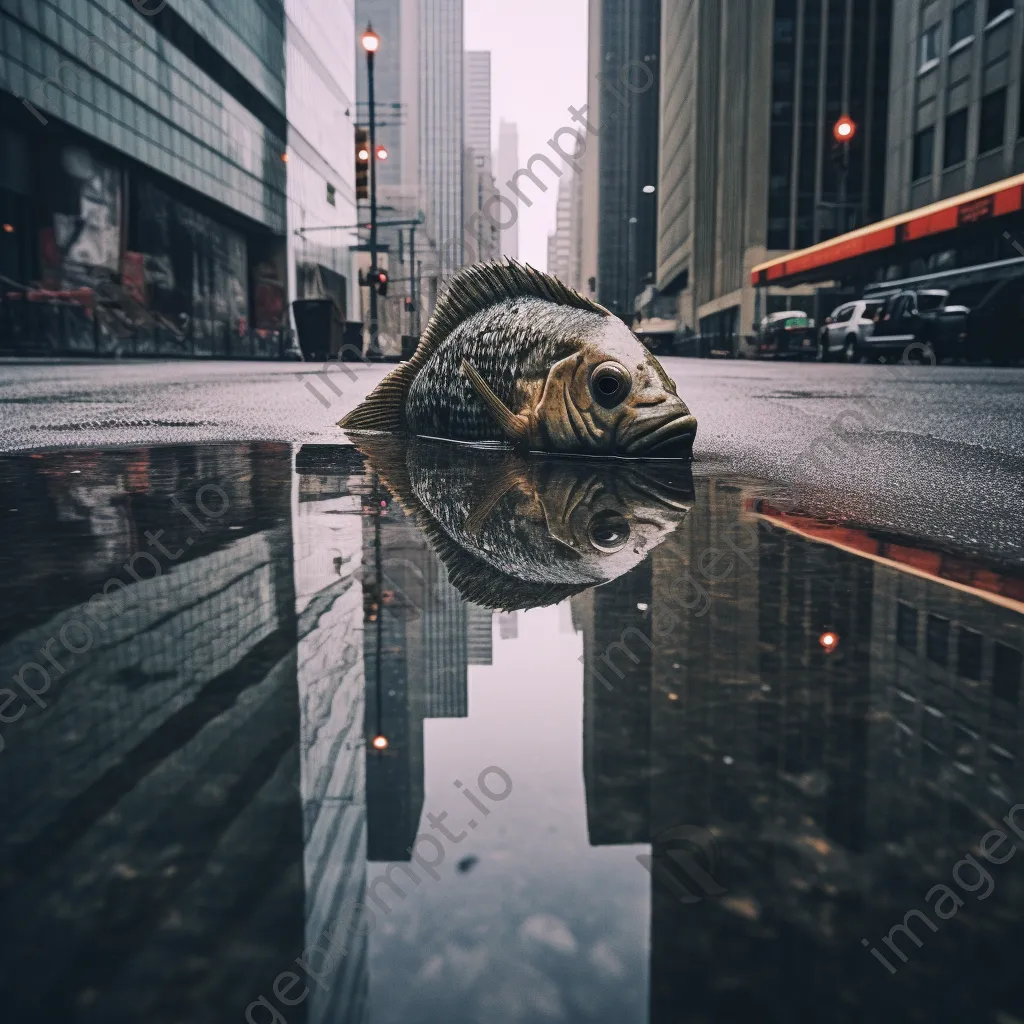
844, 129
382, 152
382, 282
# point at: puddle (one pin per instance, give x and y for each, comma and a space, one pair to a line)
409, 734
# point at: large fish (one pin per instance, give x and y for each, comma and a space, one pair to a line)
517, 532
511, 354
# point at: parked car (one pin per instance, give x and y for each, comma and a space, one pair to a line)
995, 326
845, 329
924, 316
789, 334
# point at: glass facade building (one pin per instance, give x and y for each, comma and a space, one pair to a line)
106, 103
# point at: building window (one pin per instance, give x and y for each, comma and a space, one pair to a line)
968, 653
992, 126
906, 626
963, 23
937, 640
997, 7
924, 149
929, 46
954, 149
1006, 673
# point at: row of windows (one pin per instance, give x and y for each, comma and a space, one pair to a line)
961, 28
1006, 660
991, 135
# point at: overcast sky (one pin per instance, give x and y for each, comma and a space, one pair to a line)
538, 69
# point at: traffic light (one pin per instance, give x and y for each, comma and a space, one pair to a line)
362, 164
382, 282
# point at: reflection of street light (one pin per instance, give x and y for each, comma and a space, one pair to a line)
380, 743
648, 189
844, 129
829, 641
371, 43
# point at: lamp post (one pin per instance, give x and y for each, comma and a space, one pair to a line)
631, 270
843, 132
371, 43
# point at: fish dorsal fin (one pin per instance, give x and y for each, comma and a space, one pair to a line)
482, 285
471, 290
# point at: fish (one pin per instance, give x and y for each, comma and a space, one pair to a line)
513, 356
518, 531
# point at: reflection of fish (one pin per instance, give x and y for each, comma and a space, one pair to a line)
519, 532
511, 354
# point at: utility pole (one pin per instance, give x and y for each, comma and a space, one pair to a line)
371, 43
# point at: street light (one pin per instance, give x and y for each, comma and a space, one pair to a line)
370, 40
371, 43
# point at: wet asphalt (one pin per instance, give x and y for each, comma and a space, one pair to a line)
933, 452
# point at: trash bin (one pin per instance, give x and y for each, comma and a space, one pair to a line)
320, 328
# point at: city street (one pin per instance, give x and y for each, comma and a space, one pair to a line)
932, 452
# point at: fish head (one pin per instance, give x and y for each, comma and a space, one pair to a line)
611, 516
613, 397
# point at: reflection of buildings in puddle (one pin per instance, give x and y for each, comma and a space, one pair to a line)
384, 642
149, 796
805, 762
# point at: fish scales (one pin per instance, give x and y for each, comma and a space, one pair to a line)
511, 343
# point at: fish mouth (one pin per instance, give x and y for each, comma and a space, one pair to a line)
666, 437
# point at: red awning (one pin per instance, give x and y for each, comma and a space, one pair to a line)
995, 200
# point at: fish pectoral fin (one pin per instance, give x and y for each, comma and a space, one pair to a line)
509, 478
514, 426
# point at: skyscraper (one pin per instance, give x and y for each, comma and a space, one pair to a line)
750, 93
507, 165
560, 242
623, 99
441, 129
481, 229
478, 105
321, 89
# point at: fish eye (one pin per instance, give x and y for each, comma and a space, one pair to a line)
610, 383
608, 531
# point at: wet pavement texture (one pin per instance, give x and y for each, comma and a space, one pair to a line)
928, 451
272, 750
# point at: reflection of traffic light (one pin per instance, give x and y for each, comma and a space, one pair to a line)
382, 282
362, 164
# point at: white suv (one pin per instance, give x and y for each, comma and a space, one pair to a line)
846, 329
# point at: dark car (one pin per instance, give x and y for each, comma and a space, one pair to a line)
789, 334
995, 326
924, 317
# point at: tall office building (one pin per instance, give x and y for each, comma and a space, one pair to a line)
956, 114
750, 92
481, 230
560, 242
142, 154
507, 164
620, 217
477, 94
441, 130
321, 90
